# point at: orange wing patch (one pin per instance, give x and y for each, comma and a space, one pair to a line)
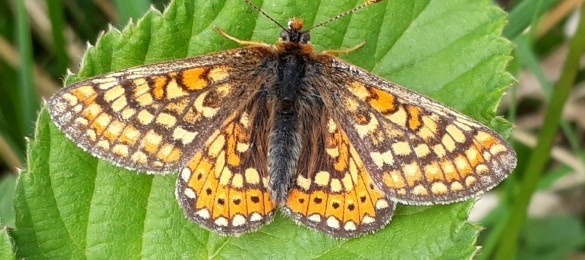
222, 188
335, 194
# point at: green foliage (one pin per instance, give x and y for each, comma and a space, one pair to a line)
6, 250
7, 187
551, 238
71, 205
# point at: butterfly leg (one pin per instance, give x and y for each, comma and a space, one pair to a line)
344, 51
242, 42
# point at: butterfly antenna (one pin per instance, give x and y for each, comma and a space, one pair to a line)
263, 13
353, 10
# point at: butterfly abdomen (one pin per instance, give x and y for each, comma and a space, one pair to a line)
285, 138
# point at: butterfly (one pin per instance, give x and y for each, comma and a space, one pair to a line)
263, 127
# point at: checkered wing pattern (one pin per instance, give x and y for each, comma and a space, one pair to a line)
154, 118
333, 191
416, 150
225, 187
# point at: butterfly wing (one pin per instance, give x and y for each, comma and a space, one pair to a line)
225, 187
416, 150
333, 192
155, 117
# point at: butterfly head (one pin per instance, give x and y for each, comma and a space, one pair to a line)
295, 32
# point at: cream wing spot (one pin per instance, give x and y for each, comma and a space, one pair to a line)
333, 152
456, 133
203, 213
103, 120
92, 110
119, 104
216, 146
422, 150
367, 219
315, 218
77, 108
487, 156
221, 221
166, 120
113, 93
127, 113
121, 150
401, 148
439, 188
200, 107
173, 90
349, 226
225, 177
332, 222
104, 145
107, 82
449, 143
420, 190
145, 100
255, 216
336, 185
322, 178
470, 181
498, 148
461, 163
331, 126
190, 193
184, 136
439, 150
303, 182
81, 121
252, 176
245, 119
481, 169
382, 158
145, 117
186, 174
364, 130
139, 157
238, 181
242, 147
71, 99
382, 204
238, 220
456, 186
219, 162
347, 182
398, 117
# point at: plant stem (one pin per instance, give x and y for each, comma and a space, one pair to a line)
541, 153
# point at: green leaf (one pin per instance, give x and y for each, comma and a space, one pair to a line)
71, 205
7, 187
6, 250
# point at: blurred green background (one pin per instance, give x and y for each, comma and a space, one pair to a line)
41, 40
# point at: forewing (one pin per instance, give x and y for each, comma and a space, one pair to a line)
155, 117
225, 186
415, 149
333, 192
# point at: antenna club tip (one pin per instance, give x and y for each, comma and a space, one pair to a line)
296, 23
